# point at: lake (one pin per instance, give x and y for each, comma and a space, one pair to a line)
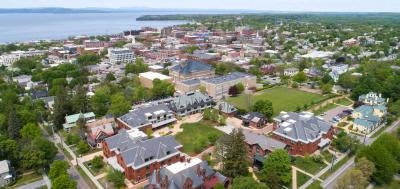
30, 27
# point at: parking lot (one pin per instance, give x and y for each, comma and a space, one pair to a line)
329, 115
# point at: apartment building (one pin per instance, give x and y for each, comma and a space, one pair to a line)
190, 103
218, 87
147, 117
302, 132
120, 55
138, 157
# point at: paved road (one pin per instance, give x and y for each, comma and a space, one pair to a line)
72, 171
330, 182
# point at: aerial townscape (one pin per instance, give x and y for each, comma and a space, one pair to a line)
217, 101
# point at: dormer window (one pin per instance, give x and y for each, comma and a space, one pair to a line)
168, 152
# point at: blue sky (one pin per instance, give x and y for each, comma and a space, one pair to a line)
276, 5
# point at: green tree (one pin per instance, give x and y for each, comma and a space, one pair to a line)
353, 178
9, 149
301, 77
110, 77
162, 89
82, 147
264, 107
14, 124
88, 58
240, 87
63, 182
247, 183
116, 177
235, 162
81, 124
138, 67
60, 106
101, 100
97, 163
278, 162
30, 131
326, 88
58, 168
119, 105
80, 101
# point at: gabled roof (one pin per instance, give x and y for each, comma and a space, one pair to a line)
266, 143
138, 117
189, 100
141, 153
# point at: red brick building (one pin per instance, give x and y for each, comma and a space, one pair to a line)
302, 132
138, 157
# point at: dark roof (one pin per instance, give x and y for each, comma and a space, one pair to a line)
191, 67
39, 94
229, 77
137, 118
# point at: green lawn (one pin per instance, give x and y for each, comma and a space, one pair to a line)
308, 165
282, 98
335, 167
344, 102
301, 178
197, 136
325, 109
315, 185
326, 155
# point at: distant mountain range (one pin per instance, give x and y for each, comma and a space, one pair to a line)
60, 10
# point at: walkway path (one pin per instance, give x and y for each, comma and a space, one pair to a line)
33, 185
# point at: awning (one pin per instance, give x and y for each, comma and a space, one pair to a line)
324, 142
259, 158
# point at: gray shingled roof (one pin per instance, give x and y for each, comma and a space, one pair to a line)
303, 126
266, 143
226, 78
144, 152
176, 181
189, 100
191, 67
137, 118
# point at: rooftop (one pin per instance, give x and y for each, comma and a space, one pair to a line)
154, 75
227, 78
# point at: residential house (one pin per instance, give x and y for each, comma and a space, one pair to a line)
373, 99
7, 174
226, 108
338, 70
71, 120
254, 119
290, 72
258, 146
218, 87
137, 157
99, 130
190, 103
151, 116
193, 173
372, 114
191, 70
147, 78
302, 132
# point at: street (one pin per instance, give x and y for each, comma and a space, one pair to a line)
81, 183
330, 182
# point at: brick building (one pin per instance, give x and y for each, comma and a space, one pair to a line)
138, 157
191, 70
302, 132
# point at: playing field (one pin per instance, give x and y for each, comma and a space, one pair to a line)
282, 98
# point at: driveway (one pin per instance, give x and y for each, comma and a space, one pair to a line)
237, 123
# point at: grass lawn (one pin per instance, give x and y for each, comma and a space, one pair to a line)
26, 179
315, 185
326, 155
42, 187
335, 167
282, 98
94, 171
395, 184
301, 178
197, 136
308, 165
325, 109
344, 102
